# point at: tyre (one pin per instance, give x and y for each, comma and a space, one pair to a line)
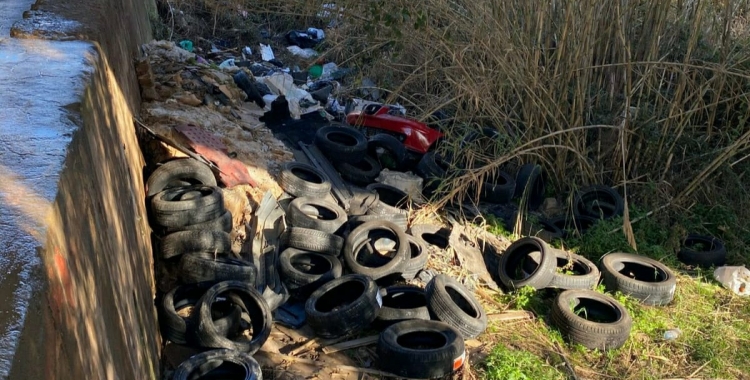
316, 214
542, 229
303, 272
222, 223
434, 169
178, 328
483, 140
418, 256
387, 151
531, 182
420, 349
527, 251
199, 267
364, 241
211, 364
361, 173
453, 304
391, 200
498, 188
185, 206
572, 272
181, 170
640, 277
343, 306
341, 143
431, 235
301, 180
575, 225
591, 319
252, 303
403, 302
599, 202
400, 220
313, 240
702, 251
177, 243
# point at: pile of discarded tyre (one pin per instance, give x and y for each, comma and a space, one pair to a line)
351, 271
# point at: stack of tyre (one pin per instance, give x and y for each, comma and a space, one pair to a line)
351, 271
585, 316
215, 305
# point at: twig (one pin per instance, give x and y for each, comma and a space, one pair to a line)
366, 341
511, 315
699, 369
276, 359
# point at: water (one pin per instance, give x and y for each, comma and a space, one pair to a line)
38, 79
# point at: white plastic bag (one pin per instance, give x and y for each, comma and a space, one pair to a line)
736, 279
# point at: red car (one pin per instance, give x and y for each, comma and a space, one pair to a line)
376, 118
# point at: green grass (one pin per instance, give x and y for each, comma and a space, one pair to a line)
715, 324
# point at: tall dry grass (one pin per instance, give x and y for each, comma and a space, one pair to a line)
620, 92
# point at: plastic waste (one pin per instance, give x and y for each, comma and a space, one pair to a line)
306, 39
316, 71
328, 69
300, 101
266, 53
187, 45
406, 182
247, 50
332, 13
300, 52
734, 278
227, 64
672, 334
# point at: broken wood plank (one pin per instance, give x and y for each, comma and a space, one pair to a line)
272, 359
366, 341
511, 315
305, 347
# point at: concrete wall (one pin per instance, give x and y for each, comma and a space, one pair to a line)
92, 314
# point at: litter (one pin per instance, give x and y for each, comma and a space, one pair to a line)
306, 39
300, 101
227, 64
300, 52
266, 53
406, 182
187, 45
735, 278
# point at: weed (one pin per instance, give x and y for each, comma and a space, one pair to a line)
504, 363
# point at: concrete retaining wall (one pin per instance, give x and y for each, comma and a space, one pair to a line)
91, 314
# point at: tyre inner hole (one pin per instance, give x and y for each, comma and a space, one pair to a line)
523, 261
598, 201
422, 340
700, 244
248, 321
364, 165
595, 311
219, 370
391, 197
307, 175
311, 264
379, 247
640, 272
340, 296
437, 239
497, 179
571, 267
461, 302
405, 300
318, 212
342, 139
415, 250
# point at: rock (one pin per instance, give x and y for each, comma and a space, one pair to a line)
551, 208
189, 99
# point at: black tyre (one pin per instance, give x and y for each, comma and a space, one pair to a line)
316, 214
178, 328
362, 255
391, 200
222, 223
180, 171
403, 302
591, 319
530, 181
341, 143
572, 272
251, 302
434, 169
529, 252
184, 206
431, 235
418, 256
420, 349
642, 278
453, 304
498, 188
313, 240
702, 251
213, 365
301, 180
343, 306
600, 202
199, 267
177, 243
387, 150
361, 173
304, 272
399, 219
542, 229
